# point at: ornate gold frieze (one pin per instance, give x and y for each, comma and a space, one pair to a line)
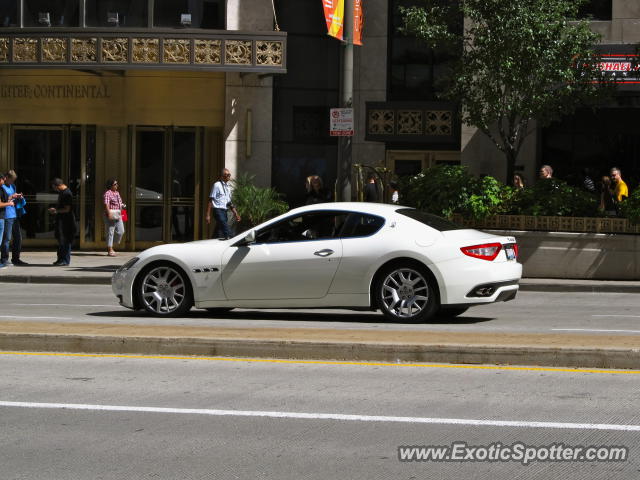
237, 52
84, 50
409, 122
269, 53
439, 122
381, 122
145, 50
115, 50
207, 52
4, 50
54, 50
175, 50
25, 49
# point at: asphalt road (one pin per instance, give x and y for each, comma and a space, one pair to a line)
532, 312
109, 417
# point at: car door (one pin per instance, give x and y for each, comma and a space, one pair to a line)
294, 258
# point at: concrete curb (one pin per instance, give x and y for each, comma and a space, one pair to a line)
382, 352
578, 287
58, 279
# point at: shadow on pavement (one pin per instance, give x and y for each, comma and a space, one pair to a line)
294, 316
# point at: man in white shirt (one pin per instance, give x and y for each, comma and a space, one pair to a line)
220, 202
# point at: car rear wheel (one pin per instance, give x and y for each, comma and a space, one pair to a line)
406, 294
164, 291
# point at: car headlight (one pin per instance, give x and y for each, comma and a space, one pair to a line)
129, 264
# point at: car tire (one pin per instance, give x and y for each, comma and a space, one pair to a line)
164, 290
218, 310
406, 293
452, 312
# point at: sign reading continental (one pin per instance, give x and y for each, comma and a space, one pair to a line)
54, 91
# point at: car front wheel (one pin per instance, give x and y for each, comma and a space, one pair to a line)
164, 290
406, 294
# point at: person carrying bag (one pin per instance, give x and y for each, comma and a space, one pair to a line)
113, 220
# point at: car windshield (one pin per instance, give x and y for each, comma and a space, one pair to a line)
434, 221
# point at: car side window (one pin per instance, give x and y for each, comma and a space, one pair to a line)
305, 227
361, 225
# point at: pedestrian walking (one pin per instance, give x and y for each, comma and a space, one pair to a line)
546, 171
518, 182
607, 200
618, 186
370, 189
12, 236
316, 193
113, 222
4, 204
65, 226
220, 202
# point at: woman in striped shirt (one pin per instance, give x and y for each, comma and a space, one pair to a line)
113, 215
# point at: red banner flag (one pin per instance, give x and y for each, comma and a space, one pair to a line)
334, 16
358, 22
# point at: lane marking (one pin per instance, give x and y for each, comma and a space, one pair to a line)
34, 318
593, 330
328, 362
59, 305
326, 416
625, 316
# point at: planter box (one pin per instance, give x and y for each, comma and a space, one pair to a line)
553, 224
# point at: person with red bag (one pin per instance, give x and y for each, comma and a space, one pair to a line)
113, 215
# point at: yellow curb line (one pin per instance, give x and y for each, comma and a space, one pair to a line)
323, 362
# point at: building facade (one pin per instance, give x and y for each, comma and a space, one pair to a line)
160, 94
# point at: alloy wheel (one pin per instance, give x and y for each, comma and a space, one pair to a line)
164, 291
405, 293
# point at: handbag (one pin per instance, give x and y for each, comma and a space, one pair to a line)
115, 215
123, 215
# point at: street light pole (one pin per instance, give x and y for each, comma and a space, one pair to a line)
346, 101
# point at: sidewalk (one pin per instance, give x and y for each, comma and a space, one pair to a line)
357, 344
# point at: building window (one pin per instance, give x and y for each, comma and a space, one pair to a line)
51, 13
596, 10
311, 124
189, 13
116, 13
415, 71
9, 13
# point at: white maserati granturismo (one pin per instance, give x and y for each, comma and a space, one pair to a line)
409, 264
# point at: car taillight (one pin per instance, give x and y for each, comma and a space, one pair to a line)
486, 251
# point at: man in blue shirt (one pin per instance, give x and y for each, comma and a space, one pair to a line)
11, 224
220, 201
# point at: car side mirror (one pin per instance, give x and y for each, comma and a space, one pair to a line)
249, 238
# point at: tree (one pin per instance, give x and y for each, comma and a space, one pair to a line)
521, 60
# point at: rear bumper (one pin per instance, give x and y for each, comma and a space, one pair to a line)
470, 282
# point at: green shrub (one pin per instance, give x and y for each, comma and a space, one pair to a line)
553, 197
446, 189
630, 207
254, 204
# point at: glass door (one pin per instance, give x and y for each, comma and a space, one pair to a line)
42, 153
165, 170
38, 157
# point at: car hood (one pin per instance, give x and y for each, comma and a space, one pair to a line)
184, 250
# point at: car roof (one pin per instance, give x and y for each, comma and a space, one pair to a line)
365, 207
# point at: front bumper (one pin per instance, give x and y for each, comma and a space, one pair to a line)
122, 286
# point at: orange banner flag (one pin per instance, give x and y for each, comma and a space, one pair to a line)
334, 16
358, 22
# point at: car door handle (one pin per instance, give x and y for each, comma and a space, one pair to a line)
324, 253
